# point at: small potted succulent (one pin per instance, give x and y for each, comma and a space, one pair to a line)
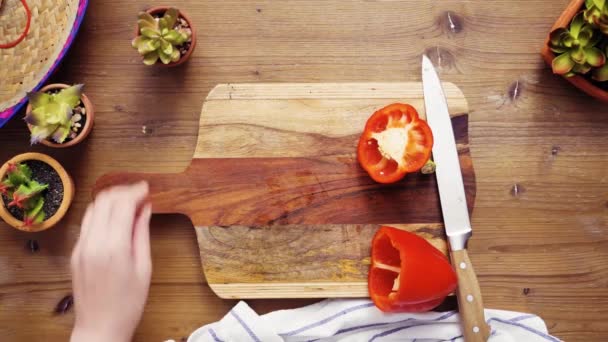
577, 47
164, 36
36, 192
59, 115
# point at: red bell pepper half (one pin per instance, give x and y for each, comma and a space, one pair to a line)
407, 273
395, 142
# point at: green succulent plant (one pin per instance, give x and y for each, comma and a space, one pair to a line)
601, 74
158, 37
596, 14
576, 48
25, 193
51, 114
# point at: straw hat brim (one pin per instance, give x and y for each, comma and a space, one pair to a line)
27, 66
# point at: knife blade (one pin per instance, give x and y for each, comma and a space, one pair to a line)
453, 204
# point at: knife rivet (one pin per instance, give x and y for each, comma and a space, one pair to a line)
463, 265
469, 298
476, 329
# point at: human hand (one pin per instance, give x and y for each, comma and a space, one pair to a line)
112, 266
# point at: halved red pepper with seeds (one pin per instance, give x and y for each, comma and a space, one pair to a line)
395, 142
407, 273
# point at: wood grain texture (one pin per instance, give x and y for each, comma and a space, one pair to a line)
270, 155
302, 119
540, 249
297, 261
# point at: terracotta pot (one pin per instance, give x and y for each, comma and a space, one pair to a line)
84, 132
579, 81
68, 193
162, 10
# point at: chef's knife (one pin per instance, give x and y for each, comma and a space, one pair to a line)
453, 204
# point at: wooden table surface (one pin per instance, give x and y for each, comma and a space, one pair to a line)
539, 147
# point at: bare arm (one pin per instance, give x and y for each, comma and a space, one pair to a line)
111, 265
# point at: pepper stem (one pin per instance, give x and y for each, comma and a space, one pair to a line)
429, 167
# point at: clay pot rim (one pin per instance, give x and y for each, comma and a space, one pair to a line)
86, 130
184, 58
578, 81
68, 193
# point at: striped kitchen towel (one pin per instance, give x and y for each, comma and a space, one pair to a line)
359, 320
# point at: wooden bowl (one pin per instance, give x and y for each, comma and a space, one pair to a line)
578, 81
162, 10
68, 193
88, 126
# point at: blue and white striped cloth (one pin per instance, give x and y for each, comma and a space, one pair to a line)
356, 320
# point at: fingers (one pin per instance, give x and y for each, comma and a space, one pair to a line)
125, 204
114, 215
141, 240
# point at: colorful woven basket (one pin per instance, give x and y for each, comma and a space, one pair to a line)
27, 66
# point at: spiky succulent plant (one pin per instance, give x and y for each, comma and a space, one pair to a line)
51, 114
576, 48
25, 193
596, 14
158, 37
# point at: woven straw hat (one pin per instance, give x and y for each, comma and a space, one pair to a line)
27, 66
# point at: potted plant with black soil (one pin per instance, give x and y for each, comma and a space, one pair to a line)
36, 192
59, 115
164, 36
577, 47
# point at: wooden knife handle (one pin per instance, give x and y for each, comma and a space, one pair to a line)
470, 303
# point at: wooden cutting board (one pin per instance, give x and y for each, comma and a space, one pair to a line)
280, 205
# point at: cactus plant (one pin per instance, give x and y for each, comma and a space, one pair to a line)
51, 113
576, 48
25, 193
158, 37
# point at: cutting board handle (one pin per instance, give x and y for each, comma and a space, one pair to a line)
164, 188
